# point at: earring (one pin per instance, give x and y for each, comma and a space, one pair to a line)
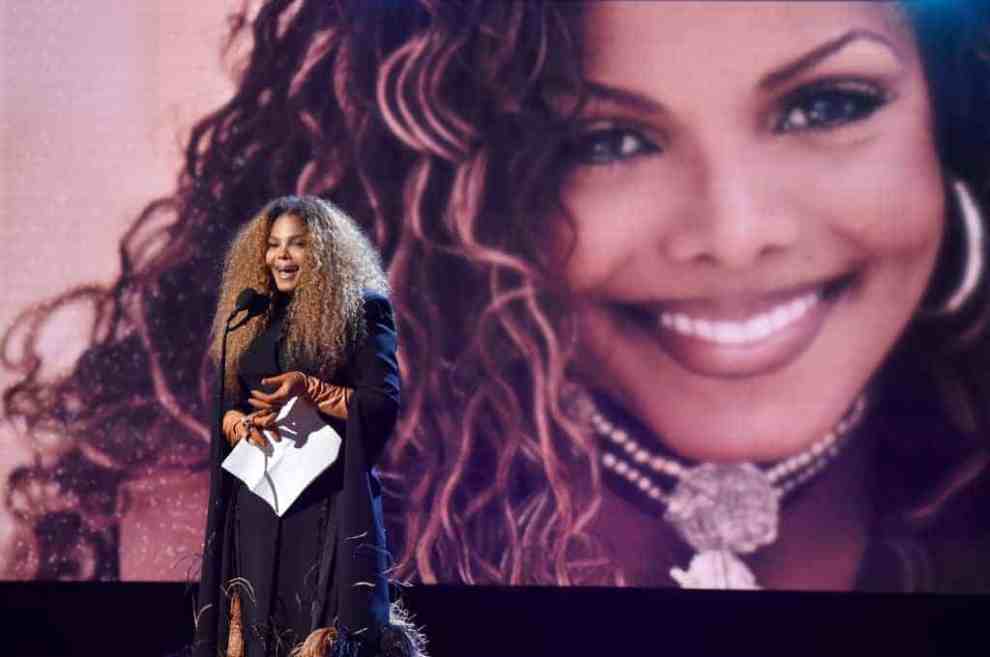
974, 261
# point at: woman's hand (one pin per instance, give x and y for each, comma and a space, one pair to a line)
289, 385
256, 424
238, 426
328, 398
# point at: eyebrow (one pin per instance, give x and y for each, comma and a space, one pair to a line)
600, 91
810, 60
637, 102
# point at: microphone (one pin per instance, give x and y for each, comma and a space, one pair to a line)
252, 301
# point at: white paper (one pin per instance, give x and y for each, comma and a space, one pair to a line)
308, 447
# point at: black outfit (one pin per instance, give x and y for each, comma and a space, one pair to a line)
322, 563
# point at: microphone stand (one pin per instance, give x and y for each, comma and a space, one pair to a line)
218, 482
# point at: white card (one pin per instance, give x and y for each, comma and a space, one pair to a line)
308, 447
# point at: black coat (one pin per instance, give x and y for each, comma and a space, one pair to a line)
353, 559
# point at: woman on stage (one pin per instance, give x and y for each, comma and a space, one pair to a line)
312, 579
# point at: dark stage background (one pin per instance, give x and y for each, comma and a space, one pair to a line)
154, 620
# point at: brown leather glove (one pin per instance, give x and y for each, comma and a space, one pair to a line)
329, 399
238, 425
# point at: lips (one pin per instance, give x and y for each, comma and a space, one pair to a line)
742, 335
749, 330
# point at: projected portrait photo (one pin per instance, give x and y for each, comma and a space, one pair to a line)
688, 294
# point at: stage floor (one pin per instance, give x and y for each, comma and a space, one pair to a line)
155, 620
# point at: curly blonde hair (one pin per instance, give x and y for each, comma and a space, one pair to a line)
326, 312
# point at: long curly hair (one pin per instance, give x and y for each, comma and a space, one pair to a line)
440, 125
326, 312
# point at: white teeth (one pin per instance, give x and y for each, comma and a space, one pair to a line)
746, 331
778, 318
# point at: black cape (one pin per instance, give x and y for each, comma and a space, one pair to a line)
353, 561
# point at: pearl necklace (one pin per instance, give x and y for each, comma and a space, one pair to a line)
722, 510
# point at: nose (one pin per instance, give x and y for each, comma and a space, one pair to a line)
737, 214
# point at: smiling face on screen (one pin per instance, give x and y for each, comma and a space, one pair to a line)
758, 206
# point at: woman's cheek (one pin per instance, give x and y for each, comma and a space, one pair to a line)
893, 209
891, 181
617, 213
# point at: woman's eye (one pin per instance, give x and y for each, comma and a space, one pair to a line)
824, 108
608, 145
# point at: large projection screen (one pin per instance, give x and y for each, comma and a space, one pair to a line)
689, 293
